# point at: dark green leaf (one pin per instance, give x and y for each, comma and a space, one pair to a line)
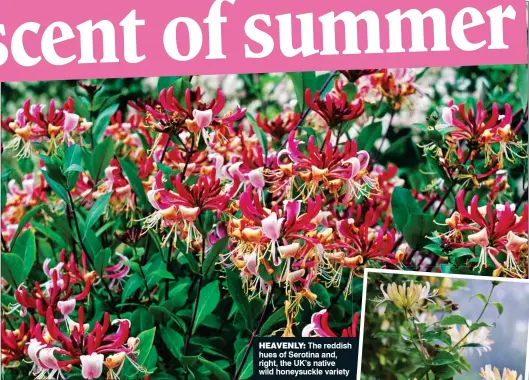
103, 121
12, 269
417, 229
133, 284
443, 357
101, 157
218, 248
101, 261
174, 341
71, 165
25, 248
216, 371
98, 208
369, 135
131, 172
25, 220
453, 320
247, 369
235, 288
209, 299
277, 317
261, 135
403, 205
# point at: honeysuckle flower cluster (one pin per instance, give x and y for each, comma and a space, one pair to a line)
407, 297
496, 231
144, 208
493, 373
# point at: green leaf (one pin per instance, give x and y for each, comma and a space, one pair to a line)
98, 208
481, 296
444, 372
26, 165
299, 90
261, 135
499, 307
438, 335
460, 252
443, 357
103, 121
48, 232
453, 320
12, 268
419, 373
522, 85
166, 82
71, 165
247, 369
56, 186
157, 275
209, 299
164, 315
25, 220
145, 349
240, 299
101, 261
216, 371
275, 318
403, 205
418, 227
26, 249
133, 284
369, 135
218, 248
351, 90
5, 179
479, 325
174, 341
131, 172
435, 249
101, 157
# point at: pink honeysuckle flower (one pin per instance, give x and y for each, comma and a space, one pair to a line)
92, 365
319, 326
334, 108
203, 118
66, 307
272, 230
256, 178
494, 228
325, 169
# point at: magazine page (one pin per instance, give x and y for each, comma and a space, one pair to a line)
234, 190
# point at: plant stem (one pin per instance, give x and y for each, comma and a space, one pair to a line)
479, 318
188, 158
144, 277
415, 344
522, 199
307, 111
254, 333
76, 222
167, 264
195, 306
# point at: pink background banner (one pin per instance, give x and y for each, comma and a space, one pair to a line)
157, 15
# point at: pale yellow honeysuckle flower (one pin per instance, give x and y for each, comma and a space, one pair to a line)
407, 296
464, 336
489, 373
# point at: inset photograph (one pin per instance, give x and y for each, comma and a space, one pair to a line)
441, 326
